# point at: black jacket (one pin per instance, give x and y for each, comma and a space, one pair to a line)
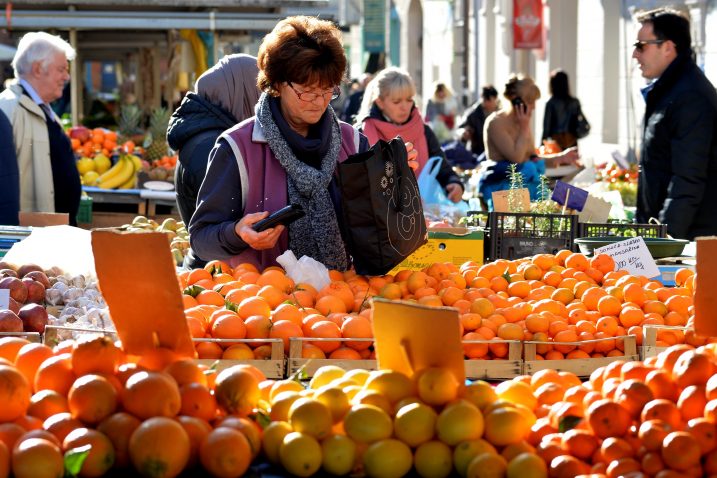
474, 119
9, 175
678, 160
193, 129
558, 115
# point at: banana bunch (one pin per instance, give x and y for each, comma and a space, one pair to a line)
122, 175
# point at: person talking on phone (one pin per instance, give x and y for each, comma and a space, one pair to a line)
509, 140
286, 154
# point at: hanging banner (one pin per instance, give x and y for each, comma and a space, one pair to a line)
527, 24
374, 26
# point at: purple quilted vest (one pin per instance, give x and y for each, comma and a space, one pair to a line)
263, 180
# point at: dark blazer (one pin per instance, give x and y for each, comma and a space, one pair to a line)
9, 175
678, 157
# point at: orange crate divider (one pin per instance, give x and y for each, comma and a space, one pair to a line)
649, 338
51, 335
580, 367
273, 367
496, 369
31, 336
296, 362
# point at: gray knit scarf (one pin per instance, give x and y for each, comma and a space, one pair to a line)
317, 234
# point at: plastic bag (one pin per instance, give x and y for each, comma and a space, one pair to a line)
307, 270
432, 193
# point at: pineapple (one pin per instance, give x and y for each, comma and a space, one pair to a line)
129, 123
158, 130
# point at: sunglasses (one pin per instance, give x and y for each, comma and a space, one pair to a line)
641, 44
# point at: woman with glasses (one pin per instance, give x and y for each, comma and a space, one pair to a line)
388, 110
286, 154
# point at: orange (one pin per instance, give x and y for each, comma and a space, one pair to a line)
46, 403
14, 394
704, 432
29, 358
10, 346
10, 433
229, 326
664, 410
325, 329
225, 452
197, 401
55, 373
236, 390
186, 371
633, 395
607, 418
208, 350
577, 261
253, 306
101, 455
680, 451
36, 457
118, 427
692, 402
284, 330
92, 398
660, 382
159, 443
60, 424
151, 394
693, 368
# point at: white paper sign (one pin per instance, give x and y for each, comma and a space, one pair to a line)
631, 255
595, 210
4, 299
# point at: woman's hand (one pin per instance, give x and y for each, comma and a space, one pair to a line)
412, 156
454, 191
523, 114
265, 239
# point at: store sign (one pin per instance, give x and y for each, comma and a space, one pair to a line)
527, 24
374, 26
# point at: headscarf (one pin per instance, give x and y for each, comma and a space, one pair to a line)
231, 83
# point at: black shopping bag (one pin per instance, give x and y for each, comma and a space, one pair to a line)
381, 207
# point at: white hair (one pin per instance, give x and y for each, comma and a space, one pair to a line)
387, 82
39, 46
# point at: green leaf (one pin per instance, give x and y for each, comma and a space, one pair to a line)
261, 418
193, 290
568, 422
74, 459
506, 276
231, 306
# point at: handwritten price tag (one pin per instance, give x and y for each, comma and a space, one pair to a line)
4, 298
631, 255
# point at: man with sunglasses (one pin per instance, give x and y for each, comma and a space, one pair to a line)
678, 158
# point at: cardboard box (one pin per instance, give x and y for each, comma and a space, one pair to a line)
446, 244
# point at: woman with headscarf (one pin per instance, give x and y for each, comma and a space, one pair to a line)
287, 154
223, 96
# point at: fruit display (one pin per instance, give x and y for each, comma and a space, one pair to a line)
175, 230
27, 286
618, 179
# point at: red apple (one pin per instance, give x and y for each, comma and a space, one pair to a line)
25, 268
81, 133
18, 291
34, 318
40, 277
14, 306
7, 265
7, 273
9, 321
35, 290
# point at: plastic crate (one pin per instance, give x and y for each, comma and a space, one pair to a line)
516, 235
84, 214
621, 229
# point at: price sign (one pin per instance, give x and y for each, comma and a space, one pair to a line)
4, 298
631, 255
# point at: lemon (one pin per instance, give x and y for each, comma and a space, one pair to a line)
341, 383
394, 385
517, 392
487, 465
325, 375
338, 454
372, 397
436, 385
351, 391
310, 416
300, 454
367, 423
415, 424
389, 458
90, 178
358, 375
504, 426
459, 421
405, 401
84, 165
281, 404
433, 460
465, 451
272, 437
284, 386
335, 400
479, 393
102, 163
527, 465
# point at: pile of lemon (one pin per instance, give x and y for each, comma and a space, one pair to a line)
384, 424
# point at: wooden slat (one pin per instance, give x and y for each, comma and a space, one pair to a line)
50, 337
296, 362
497, 369
580, 367
273, 367
649, 338
31, 336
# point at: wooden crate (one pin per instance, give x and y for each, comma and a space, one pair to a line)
31, 336
649, 338
580, 367
50, 337
499, 369
296, 362
273, 367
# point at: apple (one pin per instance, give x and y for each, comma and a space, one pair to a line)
35, 290
14, 306
7, 265
25, 268
9, 321
34, 318
7, 273
40, 277
18, 291
80, 132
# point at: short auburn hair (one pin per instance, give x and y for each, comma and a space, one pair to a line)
303, 50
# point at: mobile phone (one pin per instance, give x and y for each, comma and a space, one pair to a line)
517, 101
284, 216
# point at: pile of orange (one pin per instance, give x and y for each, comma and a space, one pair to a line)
101, 140
574, 306
167, 162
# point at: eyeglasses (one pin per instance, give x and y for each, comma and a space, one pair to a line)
641, 44
307, 96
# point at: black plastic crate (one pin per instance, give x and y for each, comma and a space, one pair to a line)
621, 229
516, 235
